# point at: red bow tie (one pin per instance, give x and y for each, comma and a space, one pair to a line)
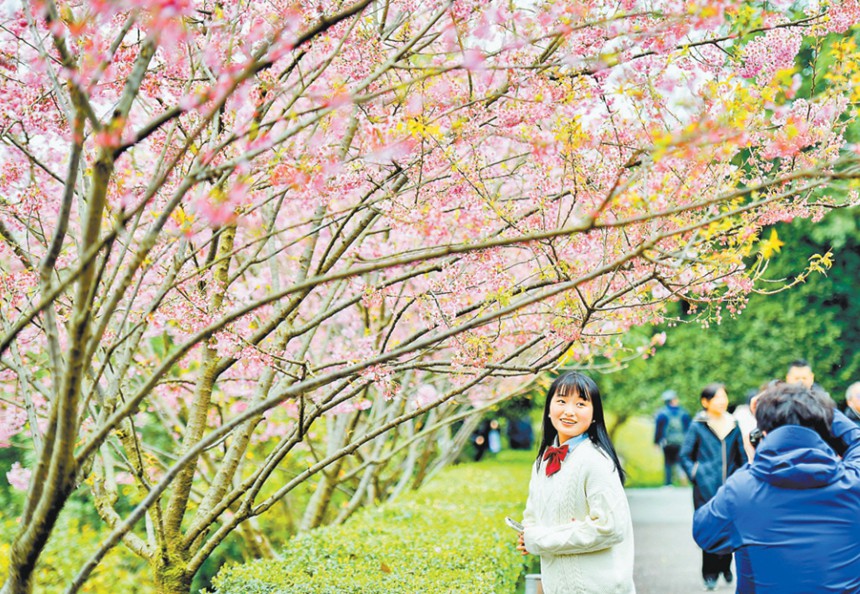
556, 457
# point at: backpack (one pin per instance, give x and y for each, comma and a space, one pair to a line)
674, 434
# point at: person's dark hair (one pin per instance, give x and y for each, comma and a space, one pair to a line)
794, 404
799, 363
574, 382
709, 391
768, 384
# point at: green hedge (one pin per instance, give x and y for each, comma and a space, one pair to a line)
449, 536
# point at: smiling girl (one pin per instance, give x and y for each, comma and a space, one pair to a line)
577, 518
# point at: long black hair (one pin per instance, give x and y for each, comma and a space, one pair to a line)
574, 382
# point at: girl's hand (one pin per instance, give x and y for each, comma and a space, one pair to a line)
521, 545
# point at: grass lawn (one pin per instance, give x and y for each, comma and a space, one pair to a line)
642, 460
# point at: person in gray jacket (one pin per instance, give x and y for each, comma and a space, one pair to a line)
713, 449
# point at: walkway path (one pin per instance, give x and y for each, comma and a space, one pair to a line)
667, 559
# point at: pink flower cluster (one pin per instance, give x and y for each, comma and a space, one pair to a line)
18, 477
766, 54
12, 421
382, 378
842, 15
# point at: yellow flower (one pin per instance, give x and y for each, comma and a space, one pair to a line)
771, 245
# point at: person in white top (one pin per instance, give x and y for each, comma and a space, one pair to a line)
577, 517
743, 414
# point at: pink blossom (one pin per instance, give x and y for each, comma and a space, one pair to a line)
444, 149
338, 99
424, 395
415, 105
473, 60
842, 15
19, 477
12, 421
124, 478
350, 406
774, 50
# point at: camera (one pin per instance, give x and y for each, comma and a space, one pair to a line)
755, 437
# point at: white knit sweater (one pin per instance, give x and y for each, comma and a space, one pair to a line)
578, 521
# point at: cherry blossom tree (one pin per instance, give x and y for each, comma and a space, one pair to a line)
240, 236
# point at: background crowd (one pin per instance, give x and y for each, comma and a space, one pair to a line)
803, 455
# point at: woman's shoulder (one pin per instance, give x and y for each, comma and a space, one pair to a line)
535, 467
597, 466
594, 454
736, 431
699, 426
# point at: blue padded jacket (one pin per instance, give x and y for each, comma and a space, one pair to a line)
792, 516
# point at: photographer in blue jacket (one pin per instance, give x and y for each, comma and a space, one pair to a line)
792, 516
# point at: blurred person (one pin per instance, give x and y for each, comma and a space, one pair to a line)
755, 434
494, 437
577, 517
480, 439
852, 400
792, 516
520, 433
746, 422
670, 427
713, 450
799, 371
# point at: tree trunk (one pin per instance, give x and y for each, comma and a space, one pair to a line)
321, 498
424, 460
171, 577
619, 422
17, 584
29, 543
255, 540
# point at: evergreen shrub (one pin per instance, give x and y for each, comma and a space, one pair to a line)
447, 537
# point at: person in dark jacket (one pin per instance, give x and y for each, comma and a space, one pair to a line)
713, 450
481, 439
670, 427
792, 517
520, 433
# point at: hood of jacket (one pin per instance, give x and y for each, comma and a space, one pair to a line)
795, 457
